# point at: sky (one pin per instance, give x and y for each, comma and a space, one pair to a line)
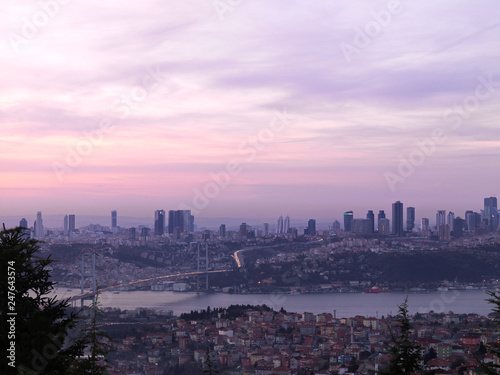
248, 108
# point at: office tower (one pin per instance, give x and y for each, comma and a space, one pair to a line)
410, 219
384, 227
266, 229
243, 233
450, 219
66, 225
286, 225
39, 229
311, 227
458, 225
472, 221
131, 234
440, 218
144, 233
348, 216
491, 213
23, 223
370, 216
397, 219
114, 219
468, 215
336, 226
425, 224
361, 226
222, 230
444, 232
159, 223
279, 226
181, 219
71, 223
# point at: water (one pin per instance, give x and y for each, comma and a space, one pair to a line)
345, 304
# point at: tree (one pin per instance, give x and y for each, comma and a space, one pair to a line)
405, 354
36, 337
492, 368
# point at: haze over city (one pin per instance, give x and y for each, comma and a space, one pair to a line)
265, 108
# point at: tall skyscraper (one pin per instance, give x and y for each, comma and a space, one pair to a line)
311, 227
440, 218
458, 225
361, 226
279, 226
66, 225
491, 213
131, 234
286, 225
266, 229
71, 223
384, 227
159, 222
39, 229
397, 219
336, 226
222, 230
181, 219
450, 219
380, 215
243, 230
370, 216
23, 223
348, 216
425, 224
410, 218
114, 219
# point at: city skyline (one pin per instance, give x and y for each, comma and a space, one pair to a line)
254, 110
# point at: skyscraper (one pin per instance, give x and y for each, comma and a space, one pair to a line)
370, 216
279, 227
71, 223
24, 224
159, 222
425, 224
181, 219
491, 213
397, 219
381, 215
384, 227
114, 219
348, 216
286, 225
410, 218
66, 225
311, 227
266, 229
440, 218
222, 230
39, 229
450, 219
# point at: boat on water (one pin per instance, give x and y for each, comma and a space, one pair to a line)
442, 289
376, 289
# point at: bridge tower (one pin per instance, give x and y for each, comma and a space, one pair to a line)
88, 275
200, 260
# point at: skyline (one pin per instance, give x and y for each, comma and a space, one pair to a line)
267, 109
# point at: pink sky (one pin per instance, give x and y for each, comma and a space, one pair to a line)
189, 88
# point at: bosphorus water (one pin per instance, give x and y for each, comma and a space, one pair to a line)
344, 304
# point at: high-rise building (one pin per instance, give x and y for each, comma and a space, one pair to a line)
380, 215
286, 225
181, 219
425, 224
361, 226
348, 216
131, 234
311, 227
458, 225
440, 218
23, 223
66, 225
491, 213
266, 229
410, 219
370, 216
159, 222
222, 230
71, 223
39, 229
336, 226
472, 221
279, 226
397, 219
444, 232
450, 219
114, 219
384, 227
243, 233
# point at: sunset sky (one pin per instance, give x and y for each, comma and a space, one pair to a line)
297, 107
